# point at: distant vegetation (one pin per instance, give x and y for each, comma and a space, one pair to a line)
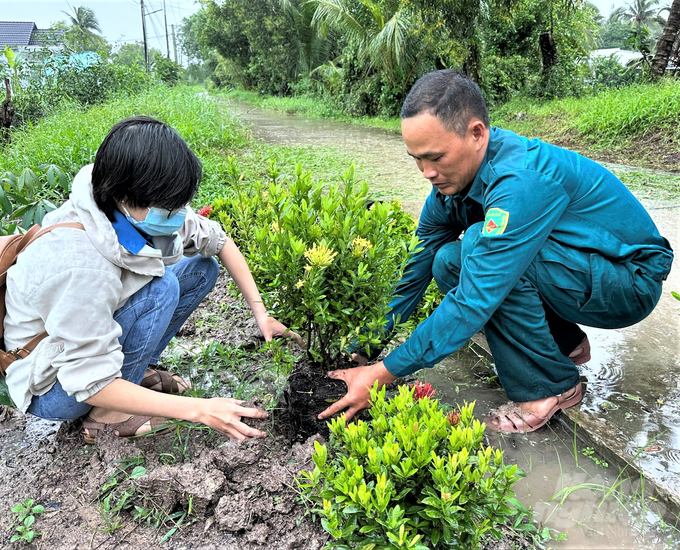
363, 56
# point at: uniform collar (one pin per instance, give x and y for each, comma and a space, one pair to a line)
131, 239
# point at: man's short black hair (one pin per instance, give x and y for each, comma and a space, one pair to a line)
143, 162
448, 95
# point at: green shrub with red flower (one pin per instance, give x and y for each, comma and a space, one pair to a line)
413, 477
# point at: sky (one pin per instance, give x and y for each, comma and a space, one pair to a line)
121, 21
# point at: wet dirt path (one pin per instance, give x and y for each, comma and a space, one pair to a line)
633, 398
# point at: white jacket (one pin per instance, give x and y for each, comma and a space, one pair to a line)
70, 282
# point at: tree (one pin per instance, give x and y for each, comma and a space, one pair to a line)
130, 54
81, 31
641, 13
665, 44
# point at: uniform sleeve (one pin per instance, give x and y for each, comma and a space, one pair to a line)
435, 228
533, 204
201, 235
79, 319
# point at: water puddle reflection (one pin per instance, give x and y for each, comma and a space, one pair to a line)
569, 487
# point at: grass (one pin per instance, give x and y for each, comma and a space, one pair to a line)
637, 124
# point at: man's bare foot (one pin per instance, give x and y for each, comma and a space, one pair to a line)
531, 415
581, 354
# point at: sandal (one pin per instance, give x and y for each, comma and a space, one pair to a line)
127, 428
162, 381
581, 354
511, 419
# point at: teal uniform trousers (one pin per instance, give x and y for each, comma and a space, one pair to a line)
551, 239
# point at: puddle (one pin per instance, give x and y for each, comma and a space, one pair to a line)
554, 466
380, 154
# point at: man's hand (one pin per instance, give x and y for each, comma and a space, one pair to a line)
358, 358
271, 328
359, 382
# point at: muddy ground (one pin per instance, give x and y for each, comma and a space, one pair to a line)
197, 489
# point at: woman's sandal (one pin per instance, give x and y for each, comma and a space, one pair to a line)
162, 381
128, 428
511, 419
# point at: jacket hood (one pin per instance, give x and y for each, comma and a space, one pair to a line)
81, 208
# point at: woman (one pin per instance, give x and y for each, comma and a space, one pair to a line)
112, 296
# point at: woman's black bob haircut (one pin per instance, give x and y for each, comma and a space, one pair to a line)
143, 162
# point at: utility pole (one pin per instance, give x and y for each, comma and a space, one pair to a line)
146, 47
174, 42
167, 39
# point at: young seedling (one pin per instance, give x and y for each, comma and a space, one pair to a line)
26, 518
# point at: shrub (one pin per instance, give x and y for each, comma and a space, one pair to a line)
326, 258
27, 197
412, 477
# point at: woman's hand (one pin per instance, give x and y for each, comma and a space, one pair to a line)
272, 328
224, 415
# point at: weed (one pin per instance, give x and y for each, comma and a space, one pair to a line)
119, 494
590, 453
26, 512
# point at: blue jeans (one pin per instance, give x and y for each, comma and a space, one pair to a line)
149, 320
535, 328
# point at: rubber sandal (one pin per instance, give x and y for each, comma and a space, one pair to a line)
161, 381
511, 419
581, 354
128, 428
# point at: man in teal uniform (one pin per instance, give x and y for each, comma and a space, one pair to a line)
551, 239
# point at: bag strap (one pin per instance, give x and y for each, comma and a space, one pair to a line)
45, 230
23, 351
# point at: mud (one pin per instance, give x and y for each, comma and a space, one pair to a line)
198, 490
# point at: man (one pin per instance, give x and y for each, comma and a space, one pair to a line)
551, 239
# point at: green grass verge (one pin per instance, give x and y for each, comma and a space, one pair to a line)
636, 125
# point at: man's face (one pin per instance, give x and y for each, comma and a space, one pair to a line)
447, 160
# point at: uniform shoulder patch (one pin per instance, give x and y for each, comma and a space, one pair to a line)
495, 222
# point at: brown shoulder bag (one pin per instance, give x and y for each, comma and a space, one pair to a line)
10, 248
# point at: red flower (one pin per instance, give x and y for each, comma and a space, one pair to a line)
453, 417
422, 390
205, 211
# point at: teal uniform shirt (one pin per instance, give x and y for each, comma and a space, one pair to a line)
527, 193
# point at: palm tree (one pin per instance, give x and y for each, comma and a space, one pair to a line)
83, 24
379, 27
640, 13
664, 46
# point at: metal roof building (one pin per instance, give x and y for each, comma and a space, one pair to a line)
24, 33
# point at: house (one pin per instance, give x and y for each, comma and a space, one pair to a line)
26, 36
624, 57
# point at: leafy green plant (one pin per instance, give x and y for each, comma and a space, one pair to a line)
30, 195
412, 477
326, 258
590, 453
26, 512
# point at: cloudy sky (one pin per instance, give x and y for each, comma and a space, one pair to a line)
120, 20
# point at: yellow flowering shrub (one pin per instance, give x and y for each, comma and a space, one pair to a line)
325, 257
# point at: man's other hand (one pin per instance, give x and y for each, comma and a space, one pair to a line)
359, 382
